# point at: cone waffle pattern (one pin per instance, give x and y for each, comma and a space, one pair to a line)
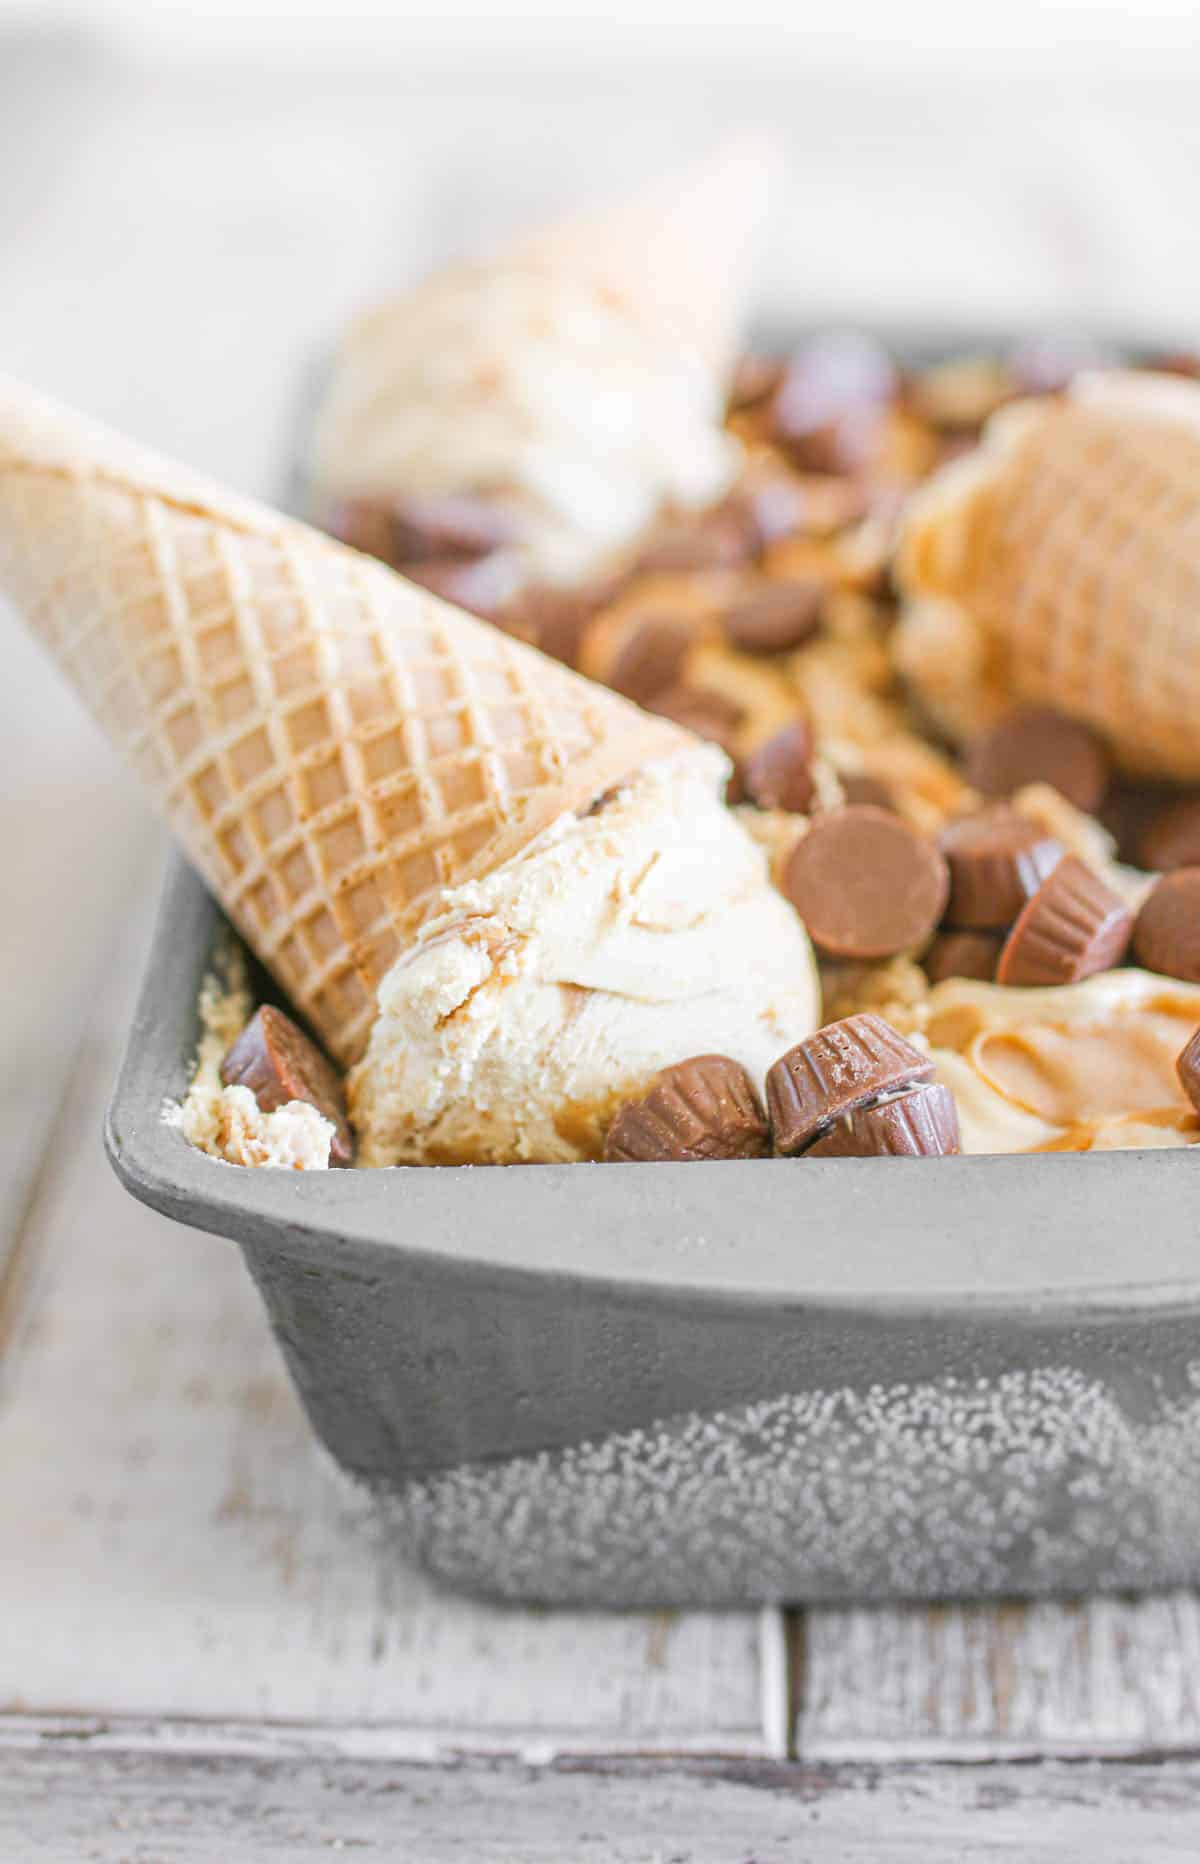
1079, 555
332, 745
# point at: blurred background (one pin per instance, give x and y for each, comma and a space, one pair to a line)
196, 193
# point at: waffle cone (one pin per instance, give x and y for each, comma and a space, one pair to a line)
332, 745
678, 251
1062, 565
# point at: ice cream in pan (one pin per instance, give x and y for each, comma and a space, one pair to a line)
532, 919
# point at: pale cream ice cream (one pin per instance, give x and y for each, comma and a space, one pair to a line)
537, 390
574, 379
227, 1122
1080, 1067
544, 994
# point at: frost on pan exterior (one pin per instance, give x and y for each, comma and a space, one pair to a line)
1033, 1481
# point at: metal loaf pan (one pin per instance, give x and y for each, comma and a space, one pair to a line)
617, 1385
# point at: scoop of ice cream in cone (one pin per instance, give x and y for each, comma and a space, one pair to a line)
1061, 564
344, 757
573, 383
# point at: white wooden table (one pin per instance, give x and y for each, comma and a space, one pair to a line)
205, 1650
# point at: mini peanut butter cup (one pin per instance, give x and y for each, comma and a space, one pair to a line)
776, 619
720, 538
1188, 1070
1039, 745
486, 586
997, 859
278, 1062
857, 787
1073, 927
1166, 937
922, 1124
963, 954
698, 708
845, 1066
1171, 838
703, 1108
779, 775
649, 659
866, 884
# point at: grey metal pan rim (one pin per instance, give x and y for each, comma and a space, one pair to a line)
1053, 1231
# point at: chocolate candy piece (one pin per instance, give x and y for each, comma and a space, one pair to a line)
1166, 937
1127, 813
1049, 363
705, 1108
997, 859
963, 954
829, 407
1172, 836
717, 539
772, 508
650, 658
866, 884
754, 378
448, 524
1072, 927
840, 1068
922, 1123
1188, 1070
778, 775
783, 615
363, 523
432, 527
697, 708
859, 788
278, 1063
1038, 745
483, 585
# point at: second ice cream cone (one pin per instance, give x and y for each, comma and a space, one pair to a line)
1061, 565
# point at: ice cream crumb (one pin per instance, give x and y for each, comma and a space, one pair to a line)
227, 1122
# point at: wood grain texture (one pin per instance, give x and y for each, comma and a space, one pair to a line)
1098, 1676
181, 1547
62, 1802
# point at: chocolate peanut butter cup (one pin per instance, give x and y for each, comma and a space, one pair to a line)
700, 709
1039, 745
1166, 937
776, 619
922, 1123
866, 884
779, 774
278, 1063
963, 954
1073, 927
649, 659
997, 859
703, 1108
1188, 1070
1171, 838
845, 1066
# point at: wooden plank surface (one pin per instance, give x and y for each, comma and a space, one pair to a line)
181, 1548
1098, 1676
63, 1801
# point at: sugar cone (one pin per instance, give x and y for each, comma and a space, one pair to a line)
332, 745
1062, 565
677, 252
574, 379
